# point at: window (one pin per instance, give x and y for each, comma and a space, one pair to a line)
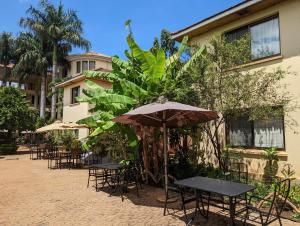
78, 67
259, 133
85, 66
92, 65
265, 37
75, 92
236, 34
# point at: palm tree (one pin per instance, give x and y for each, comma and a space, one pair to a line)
6, 52
32, 53
60, 27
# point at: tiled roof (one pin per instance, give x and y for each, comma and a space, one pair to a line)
91, 53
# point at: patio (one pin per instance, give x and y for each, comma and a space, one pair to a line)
33, 195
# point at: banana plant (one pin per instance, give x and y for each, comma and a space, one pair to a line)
141, 79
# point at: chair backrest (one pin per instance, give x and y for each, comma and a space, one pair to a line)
280, 195
238, 172
282, 191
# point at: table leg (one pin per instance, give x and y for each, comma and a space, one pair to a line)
232, 210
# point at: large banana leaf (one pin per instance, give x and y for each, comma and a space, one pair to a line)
195, 57
132, 89
105, 126
170, 62
131, 136
106, 96
153, 66
97, 120
108, 76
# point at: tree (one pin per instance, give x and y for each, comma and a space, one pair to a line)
15, 113
144, 77
33, 61
60, 27
166, 43
225, 86
6, 52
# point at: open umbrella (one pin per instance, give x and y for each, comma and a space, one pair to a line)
166, 114
58, 125
73, 125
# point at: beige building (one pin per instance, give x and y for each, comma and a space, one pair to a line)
73, 86
273, 26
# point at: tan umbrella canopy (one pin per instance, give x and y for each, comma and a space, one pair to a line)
58, 125
166, 114
73, 125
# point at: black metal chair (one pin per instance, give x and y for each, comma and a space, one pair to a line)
174, 191
237, 172
125, 176
33, 149
50, 156
92, 173
75, 158
101, 176
274, 207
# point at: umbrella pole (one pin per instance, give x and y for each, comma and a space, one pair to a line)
165, 152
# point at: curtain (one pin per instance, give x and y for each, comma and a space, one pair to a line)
240, 132
269, 133
265, 39
85, 66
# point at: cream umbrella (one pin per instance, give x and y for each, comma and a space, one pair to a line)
57, 125
73, 125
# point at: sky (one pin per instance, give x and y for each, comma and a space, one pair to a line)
103, 20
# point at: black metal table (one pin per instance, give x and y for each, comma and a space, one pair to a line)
216, 186
107, 167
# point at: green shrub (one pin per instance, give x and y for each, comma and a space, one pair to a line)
294, 195
8, 149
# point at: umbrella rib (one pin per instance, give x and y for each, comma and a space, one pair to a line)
154, 118
174, 116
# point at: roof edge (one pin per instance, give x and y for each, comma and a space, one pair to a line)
231, 10
80, 77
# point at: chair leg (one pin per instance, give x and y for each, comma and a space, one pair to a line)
88, 183
123, 187
96, 185
166, 201
140, 184
246, 217
137, 186
137, 190
280, 222
261, 219
184, 211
